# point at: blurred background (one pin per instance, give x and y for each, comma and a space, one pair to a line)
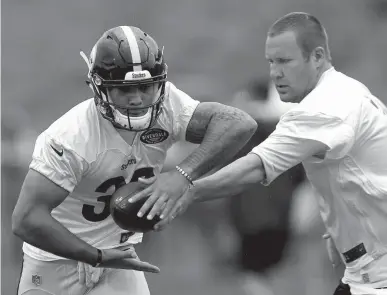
267, 241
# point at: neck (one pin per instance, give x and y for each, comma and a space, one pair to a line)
326, 66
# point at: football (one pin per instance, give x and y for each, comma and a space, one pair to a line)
125, 214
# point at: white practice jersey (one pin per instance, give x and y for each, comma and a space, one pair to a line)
83, 153
351, 176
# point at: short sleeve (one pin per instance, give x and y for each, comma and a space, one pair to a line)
300, 135
57, 162
183, 108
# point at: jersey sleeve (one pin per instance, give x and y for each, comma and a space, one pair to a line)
183, 108
299, 136
59, 163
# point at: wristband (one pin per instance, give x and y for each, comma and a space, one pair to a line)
99, 258
185, 174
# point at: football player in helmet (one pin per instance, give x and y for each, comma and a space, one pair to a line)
136, 65
121, 135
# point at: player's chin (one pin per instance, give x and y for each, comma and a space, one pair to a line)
287, 97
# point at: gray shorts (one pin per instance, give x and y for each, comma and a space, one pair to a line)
60, 277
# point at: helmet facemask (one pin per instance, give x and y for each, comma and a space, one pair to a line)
149, 73
122, 116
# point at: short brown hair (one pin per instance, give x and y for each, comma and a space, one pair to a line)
308, 29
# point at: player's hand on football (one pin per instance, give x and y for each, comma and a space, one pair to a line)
125, 259
178, 208
163, 191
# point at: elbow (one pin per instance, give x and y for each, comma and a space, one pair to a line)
248, 125
17, 224
252, 125
22, 224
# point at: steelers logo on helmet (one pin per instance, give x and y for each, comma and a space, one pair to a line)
129, 60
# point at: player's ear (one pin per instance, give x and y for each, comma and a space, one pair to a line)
318, 56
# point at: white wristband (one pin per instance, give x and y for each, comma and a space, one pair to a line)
185, 174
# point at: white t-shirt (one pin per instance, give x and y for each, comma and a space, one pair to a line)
83, 153
350, 173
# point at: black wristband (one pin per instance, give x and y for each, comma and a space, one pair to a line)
99, 258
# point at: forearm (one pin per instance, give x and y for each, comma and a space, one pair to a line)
41, 230
226, 133
230, 180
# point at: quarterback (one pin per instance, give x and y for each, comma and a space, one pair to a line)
121, 135
338, 131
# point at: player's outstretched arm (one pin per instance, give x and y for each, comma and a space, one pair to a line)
231, 180
33, 223
221, 132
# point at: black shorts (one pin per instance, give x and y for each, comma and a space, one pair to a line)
342, 289
263, 250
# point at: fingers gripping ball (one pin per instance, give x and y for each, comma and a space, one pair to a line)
125, 214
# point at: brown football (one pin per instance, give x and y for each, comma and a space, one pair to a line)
125, 214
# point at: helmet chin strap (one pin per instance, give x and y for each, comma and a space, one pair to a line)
136, 123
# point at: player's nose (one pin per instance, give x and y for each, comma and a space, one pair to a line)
275, 72
133, 99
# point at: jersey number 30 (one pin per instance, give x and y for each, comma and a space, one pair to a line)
88, 210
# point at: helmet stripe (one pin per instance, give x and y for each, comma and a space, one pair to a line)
134, 50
